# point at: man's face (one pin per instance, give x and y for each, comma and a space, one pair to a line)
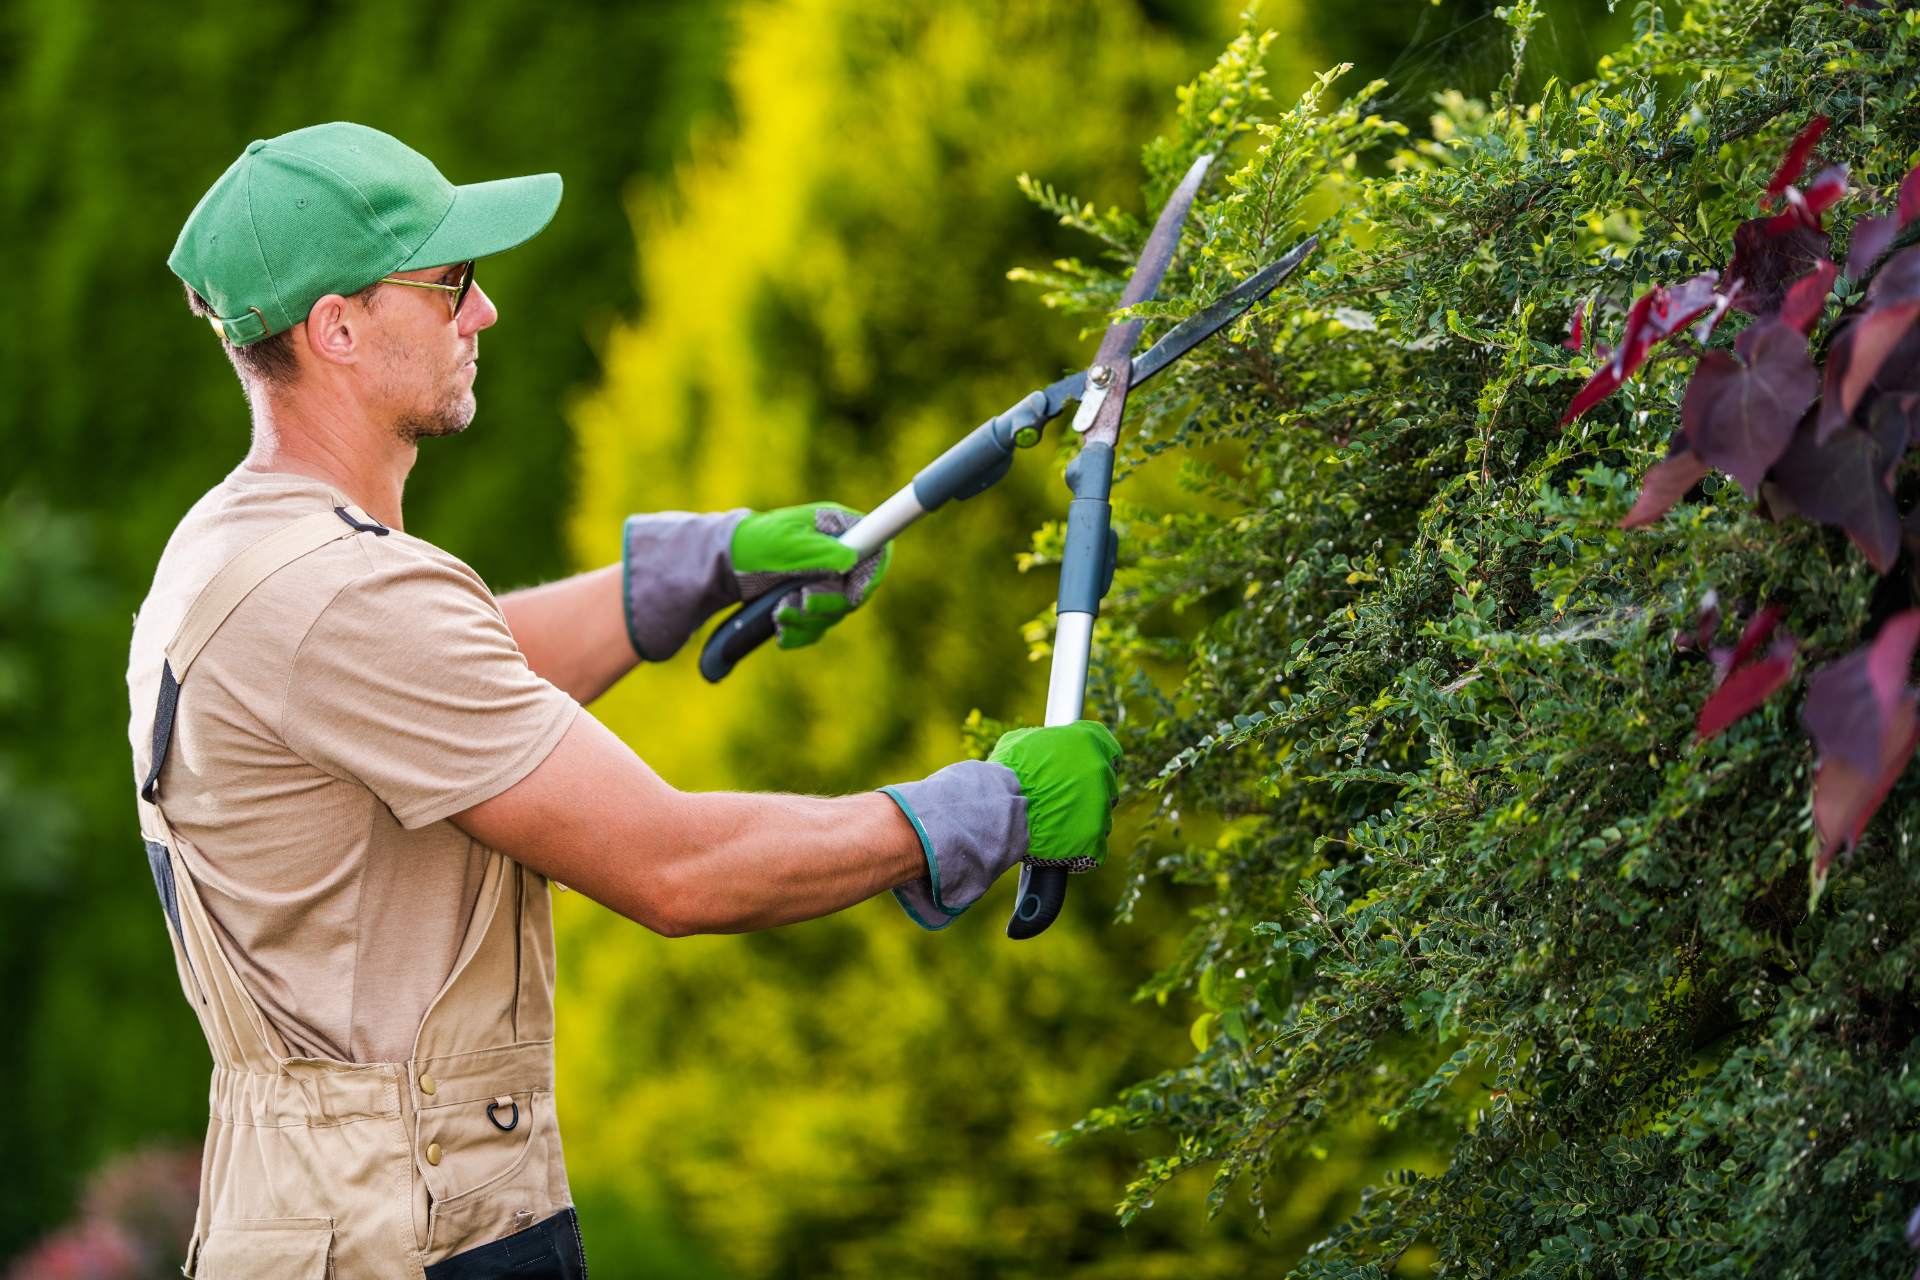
427, 356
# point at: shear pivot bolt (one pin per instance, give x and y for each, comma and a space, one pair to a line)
1099, 375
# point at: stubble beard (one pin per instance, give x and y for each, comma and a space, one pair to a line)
450, 417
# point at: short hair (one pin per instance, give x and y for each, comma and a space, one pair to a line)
270, 360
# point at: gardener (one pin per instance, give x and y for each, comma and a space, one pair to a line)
359, 771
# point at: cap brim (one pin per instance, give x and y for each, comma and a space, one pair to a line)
488, 218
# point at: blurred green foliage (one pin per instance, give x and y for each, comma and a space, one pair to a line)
119, 410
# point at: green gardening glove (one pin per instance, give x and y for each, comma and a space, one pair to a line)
798, 545
1066, 774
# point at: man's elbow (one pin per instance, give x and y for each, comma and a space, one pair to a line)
668, 908
666, 918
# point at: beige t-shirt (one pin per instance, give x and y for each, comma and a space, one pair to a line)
347, 706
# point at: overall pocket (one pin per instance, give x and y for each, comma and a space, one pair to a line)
293, 1248
507, 1179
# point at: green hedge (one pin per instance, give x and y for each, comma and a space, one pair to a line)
1408, 706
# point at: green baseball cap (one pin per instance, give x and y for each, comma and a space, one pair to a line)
331, 209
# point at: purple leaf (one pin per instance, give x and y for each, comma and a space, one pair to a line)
1655, 316
1796, 159
1900, 372
1758, 628
1806, 298
1743, 684
1768, 255
1891, 423
1708, 621
1665, 483
1740, 410
1827, 190
1860, 713
1854, 360
1898, 281
1841, 483
1577, 332
1871, 236
1845, 800
1711, 321
1746, 688
1876, 349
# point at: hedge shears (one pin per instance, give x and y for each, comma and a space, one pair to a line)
984, 456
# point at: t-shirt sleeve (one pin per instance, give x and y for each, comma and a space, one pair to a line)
410, 683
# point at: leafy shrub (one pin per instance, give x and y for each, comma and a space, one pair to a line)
1473, 871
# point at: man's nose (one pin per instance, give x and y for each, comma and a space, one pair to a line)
478, 312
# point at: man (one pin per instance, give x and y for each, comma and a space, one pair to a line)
359, 771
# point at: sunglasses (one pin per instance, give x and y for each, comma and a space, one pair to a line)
459, 291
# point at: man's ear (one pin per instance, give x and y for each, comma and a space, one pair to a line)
332, 335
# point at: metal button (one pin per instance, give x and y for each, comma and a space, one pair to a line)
426, 1084
433, 1153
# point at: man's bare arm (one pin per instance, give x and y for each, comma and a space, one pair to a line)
594, 817
574, 632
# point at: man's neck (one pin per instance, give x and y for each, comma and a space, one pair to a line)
335, 444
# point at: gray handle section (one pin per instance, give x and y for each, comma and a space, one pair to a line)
1086, 571
983, 456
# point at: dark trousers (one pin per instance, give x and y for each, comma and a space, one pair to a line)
549, 1250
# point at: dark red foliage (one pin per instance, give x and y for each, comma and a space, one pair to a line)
1749, 413
1707, 624
1656, 315
1796, 159
1768, 255
1665, 483
1843, 482
1744, 682
1740, 410
1711, 320
1807, 297
1577, 332
1827, 190
1898, 281
1873, 348
1871, 236
1861, 714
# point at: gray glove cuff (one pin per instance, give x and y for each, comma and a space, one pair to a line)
972, 823
676, 571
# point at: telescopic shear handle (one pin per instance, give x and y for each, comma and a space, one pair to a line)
975, 463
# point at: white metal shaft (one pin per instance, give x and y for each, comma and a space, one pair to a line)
878, 527
1067, 685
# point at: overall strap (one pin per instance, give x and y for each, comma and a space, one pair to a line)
223, 593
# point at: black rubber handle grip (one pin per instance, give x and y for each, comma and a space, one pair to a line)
746, 629
1043, 891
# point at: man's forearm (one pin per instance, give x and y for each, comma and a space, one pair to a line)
756, 861
583, 633
574, 631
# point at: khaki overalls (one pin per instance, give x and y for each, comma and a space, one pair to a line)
316, 1167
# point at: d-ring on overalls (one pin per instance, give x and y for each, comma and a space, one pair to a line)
316, 1167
